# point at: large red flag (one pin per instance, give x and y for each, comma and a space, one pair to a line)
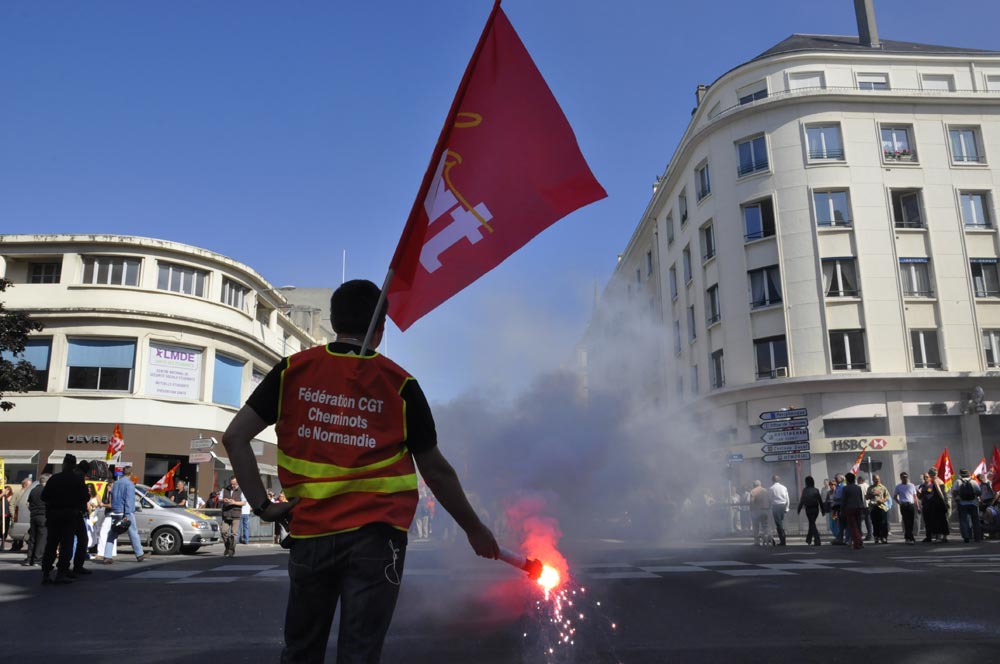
165, 483
116, 444
945, 471
506, 167
993, 473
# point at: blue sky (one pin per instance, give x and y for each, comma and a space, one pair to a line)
282, 134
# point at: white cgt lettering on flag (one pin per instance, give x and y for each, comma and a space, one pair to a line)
464, 224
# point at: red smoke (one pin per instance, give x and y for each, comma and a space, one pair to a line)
538, 533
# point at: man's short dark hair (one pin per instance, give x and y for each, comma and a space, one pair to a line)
352, 306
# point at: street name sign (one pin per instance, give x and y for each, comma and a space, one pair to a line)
783, 414
793, 436
794, 456
778, 425
199, 457
203, 444
784, 447
735, 458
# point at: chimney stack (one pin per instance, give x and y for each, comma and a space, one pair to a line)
700, 93
864, 11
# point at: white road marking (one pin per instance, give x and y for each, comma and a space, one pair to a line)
718, 563
795, 566
241, 568
878, 570
162, 574
623, 575
827, 561
282, 573
209, 579
674, 568
755, 572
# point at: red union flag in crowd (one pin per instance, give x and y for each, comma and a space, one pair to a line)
944, 469
116, 444
993, 472
165, 483
506, 167
980, 468
857, 462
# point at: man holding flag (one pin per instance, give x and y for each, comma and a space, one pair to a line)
351, 430
352, 426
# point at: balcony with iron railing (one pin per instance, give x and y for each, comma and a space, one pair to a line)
968, 159
758, 166
828, 154
909, 223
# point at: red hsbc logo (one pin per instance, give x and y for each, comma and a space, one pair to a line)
878, 443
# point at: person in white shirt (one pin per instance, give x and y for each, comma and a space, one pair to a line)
245, 511
779, 506
866, 516
905, 496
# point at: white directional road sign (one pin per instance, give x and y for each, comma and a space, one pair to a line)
199, 457
780, 414
793, 436
778, 425
784, 447
794, 456
203, 443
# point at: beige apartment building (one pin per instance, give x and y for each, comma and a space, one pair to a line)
825, 237
165, 339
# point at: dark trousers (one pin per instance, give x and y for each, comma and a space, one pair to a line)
36, 539
968, 522
61, 527
907, 511
880, 523
80, 533
361, 570
866, 516
778, 513
853, 518
812, 537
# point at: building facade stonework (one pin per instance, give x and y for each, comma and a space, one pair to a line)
825, 237
165, 339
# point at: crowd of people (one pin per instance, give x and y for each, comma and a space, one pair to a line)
851, 504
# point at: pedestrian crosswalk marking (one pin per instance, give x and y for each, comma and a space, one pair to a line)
877, 570
163, 574
718, 563
639, 574
241, 568
673, 568
208, 579
795, 566
273, 573
755, 572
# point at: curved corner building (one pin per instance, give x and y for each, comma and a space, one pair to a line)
825, 237
165, 339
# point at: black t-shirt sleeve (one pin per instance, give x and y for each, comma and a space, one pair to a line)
264, 400
421, 435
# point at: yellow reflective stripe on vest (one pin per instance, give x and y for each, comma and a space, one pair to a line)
320, 490
320, 471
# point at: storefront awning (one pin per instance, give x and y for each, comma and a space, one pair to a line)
267, 469
89, 455
223, 460
11, 457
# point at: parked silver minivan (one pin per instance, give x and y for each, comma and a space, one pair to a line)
163, 526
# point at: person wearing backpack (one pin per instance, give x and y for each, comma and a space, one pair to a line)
966, 494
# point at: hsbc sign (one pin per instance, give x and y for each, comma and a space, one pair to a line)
873, 444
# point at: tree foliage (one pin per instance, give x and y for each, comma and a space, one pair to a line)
15, 328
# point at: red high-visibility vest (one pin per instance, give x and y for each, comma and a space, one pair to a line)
342, 443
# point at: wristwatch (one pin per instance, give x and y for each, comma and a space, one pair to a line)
257, 511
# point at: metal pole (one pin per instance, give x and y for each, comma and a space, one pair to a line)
378, 307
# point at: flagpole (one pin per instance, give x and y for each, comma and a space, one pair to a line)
429, 174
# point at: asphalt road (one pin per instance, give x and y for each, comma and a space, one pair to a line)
720, 601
